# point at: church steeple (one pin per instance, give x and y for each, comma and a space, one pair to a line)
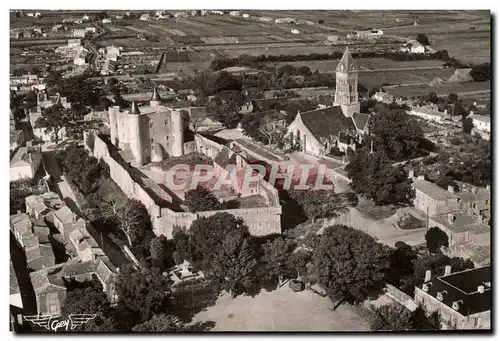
346, 89
347, 62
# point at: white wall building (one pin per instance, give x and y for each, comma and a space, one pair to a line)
25, 163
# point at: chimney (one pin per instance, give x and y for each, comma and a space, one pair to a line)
421, 177
447, 270
456, 304
428, 274
480, 289
441, 294
451, 218
411, 174
450, 189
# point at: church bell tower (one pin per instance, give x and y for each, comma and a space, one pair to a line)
346, 89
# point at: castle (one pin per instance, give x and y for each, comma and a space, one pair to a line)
149, 132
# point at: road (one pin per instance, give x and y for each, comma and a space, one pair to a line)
63, 188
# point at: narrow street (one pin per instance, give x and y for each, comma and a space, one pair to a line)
63, 188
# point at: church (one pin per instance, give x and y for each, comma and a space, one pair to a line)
341, 125
147, 133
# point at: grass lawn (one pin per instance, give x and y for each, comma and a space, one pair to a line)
282, 310
368, 208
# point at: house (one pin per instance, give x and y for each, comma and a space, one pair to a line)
285, 21
40, 255
20, 226
365, 34
78, 32
91, 29
246, 16
145, 17
82, 245
272, 120
64, 219
475, 200
383, 97
112, 53
41, 206
432, 199
428, 114
462, 227
462, 299
481, 122
85, 18
413, 46
25, 163
234, 13
294, 31
106, 21
267, 19
50, 289
82, 58
181, 15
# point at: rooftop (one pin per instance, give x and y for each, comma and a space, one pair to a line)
432, 190
21, 223
327, 122
481, 118
64, 214
462, 222
23, 154
463, 286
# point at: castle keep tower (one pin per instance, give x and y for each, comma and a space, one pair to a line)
177, 133
346, 90
136, 143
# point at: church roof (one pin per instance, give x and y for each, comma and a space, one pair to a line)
156, 95
360, 120
347, 62
133, 109
327, 122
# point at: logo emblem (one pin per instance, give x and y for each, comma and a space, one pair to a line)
54, 323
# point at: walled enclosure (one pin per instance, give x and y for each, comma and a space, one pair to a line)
261, 221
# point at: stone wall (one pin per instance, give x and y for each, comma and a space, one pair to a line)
261, 221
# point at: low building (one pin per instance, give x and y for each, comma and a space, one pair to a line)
481, 123
83, 245
462, 227
267, 19
428, 114
383, 97
432, 199
462, 299
40, 206
413, 46
145, 17
285, 21
25, 163
365, 34
106, 21
78, 32
64, 219
50, 289
234, 13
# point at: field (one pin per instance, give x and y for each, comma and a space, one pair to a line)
462, 89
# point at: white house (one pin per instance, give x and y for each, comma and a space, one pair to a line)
428, 114
25, 163
145, 17
413, 46
246, 15
366, 34
481, 122
285, 21
234, 13
106, 21
85, 18
294, 31
265, 19
78, 32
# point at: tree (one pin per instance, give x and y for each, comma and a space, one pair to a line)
453, 97
398, 135
225, 108
399, 318
19, 191
350, 264
182, 247
401, 263
144, 292
234, 263
85, 298
374, 177
201, 199
422, 39
90, 141
299, 260
160, 323
157, 251
467, 125
54, 119
276, 254
435, 238
208, 233
318, 204
134, 221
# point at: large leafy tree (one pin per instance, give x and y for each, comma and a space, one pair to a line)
134, 221
398, 135
276, 255
350, 264
435, 238
318, 204
182, 247
399, 318
233, 265
373, 176
144, 292
225, 108
201, 199
157, 251
86, 298
55, 118
19, 190
207, 235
